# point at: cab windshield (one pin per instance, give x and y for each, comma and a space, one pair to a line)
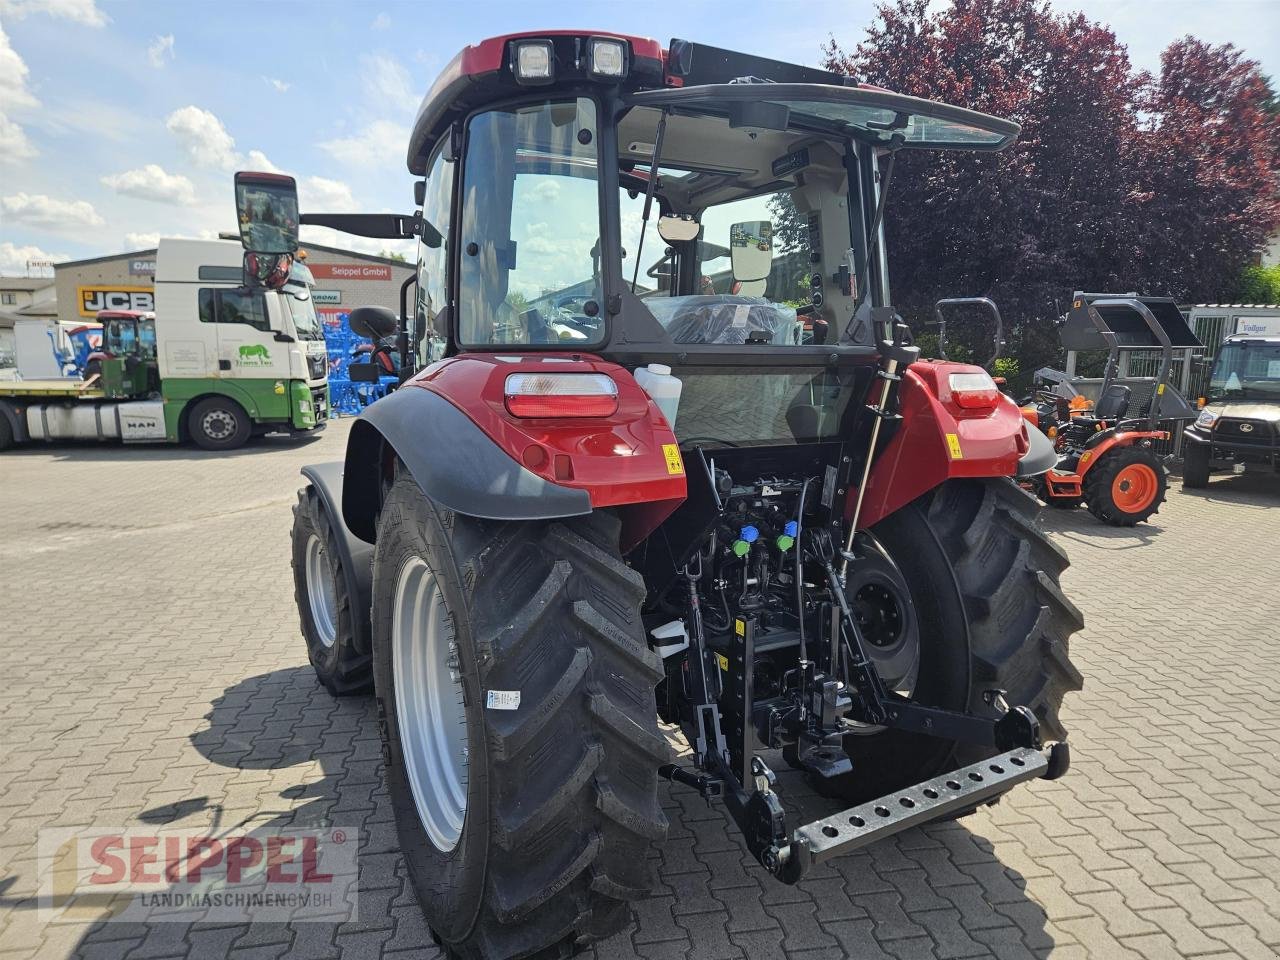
1246, 371
305, 321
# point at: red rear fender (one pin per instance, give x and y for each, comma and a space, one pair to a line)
938, 440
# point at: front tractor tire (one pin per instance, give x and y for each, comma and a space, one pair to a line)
1126, 486
324, 604
516, 700
982, 579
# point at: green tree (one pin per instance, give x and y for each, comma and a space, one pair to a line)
1259, 285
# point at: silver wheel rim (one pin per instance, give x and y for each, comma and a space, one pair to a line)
429, 704
218, 424
320, 594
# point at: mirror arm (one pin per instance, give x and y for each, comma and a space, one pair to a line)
381, 226
281, 337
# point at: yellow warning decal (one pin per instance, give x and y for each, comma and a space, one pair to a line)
953, 444
723, 661
740, 627
1160, 389
672, 452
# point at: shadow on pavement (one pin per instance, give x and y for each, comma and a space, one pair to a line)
1253, 488
930, 882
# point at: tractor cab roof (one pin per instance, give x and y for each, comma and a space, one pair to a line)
694, 79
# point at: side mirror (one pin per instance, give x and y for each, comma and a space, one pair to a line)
678, 229
363, 372
267, 210
373, 323
751, 250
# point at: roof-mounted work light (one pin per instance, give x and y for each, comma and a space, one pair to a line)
607, 58
534, 61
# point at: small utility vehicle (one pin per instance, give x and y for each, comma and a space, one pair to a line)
601, 501
1240, 422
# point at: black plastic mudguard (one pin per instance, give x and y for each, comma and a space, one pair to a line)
1040, 455
453, 461
355, 555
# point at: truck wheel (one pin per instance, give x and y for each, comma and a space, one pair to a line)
516, 701
1195, 465
324, 606
6, 432
217, 423
986, 613
1126, 486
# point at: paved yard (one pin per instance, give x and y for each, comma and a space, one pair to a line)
153, 674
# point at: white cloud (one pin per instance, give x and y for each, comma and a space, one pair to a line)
140, 241
381, 143
160, 50
38, 210
85, 12
13, 76
388, 84
281, 86
322, 195
152, 182
13, 258
258, 162
381, 22
203, 137
14, 145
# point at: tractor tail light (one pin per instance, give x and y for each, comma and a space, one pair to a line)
974, 391
545, 395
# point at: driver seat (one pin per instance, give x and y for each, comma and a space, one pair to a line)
1114, 403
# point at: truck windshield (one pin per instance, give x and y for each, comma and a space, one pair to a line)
530, 239
305, 321
1246, 371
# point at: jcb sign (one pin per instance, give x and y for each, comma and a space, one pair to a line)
93, 299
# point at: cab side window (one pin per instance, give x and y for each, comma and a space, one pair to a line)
433, 262
232, 306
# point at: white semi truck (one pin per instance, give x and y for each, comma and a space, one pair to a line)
225, 363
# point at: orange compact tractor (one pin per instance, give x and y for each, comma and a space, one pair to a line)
1107, 460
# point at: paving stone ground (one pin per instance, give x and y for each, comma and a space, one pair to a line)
153, 673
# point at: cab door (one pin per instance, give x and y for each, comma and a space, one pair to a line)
246, 344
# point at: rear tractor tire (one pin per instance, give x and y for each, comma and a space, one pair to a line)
1195, 465
516, 701
324, 604
1126, 486
982, 582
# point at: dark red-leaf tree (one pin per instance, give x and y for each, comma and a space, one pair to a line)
1083, 200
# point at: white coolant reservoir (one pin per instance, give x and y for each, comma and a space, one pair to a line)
664, 389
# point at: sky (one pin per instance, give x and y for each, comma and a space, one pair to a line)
121, 122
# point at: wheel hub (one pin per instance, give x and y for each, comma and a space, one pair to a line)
218, 424
432, 721
320, 591
1134, 488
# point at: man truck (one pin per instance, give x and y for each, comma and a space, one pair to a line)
225, 363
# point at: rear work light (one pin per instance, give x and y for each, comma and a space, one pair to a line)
607, 58
974, 391
534, 61
535, 395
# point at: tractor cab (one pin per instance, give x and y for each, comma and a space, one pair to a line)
126, 363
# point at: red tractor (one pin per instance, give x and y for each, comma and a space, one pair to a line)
617, 486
